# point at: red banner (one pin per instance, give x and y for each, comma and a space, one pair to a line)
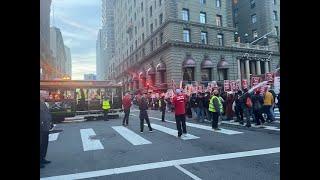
227, 85
244, 84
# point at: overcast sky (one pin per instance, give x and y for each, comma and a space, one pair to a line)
79, 22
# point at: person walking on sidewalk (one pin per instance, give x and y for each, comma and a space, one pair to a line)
126, 103
162, 107
45, 126
215, 107
106, 106
257, 101
179, 103
143, 107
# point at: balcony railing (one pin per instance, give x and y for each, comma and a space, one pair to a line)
249, 46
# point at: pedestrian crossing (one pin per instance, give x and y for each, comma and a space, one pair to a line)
87, 141
92, 141
273, 128
130, 136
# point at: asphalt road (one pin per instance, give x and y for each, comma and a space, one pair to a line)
107, 150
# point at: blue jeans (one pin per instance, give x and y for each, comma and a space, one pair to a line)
201, 114
268, 110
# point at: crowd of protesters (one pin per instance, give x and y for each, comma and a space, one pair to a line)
242, 106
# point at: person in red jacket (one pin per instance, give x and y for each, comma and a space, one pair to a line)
179, 103
126, 102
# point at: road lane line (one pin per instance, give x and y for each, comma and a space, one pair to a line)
162, 164
89, 143
187, 172
53, 137
130, 136
172, 132
200, 126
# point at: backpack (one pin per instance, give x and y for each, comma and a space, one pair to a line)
249, 102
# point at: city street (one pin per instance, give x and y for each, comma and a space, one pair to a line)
108, 150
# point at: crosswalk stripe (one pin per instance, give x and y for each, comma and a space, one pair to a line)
130, 136
199, 126
172, 132
89, 143
53, 137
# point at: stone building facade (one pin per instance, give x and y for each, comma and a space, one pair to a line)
160, 41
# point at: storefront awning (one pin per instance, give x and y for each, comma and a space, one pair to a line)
161, 67
206, 63
222, 64
189, 63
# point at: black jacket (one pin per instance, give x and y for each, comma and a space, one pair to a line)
143, 104
200, 102
45, 118
163, 104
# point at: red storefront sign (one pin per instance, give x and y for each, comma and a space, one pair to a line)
226, 85
244, 84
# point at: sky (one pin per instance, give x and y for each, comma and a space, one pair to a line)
79, 22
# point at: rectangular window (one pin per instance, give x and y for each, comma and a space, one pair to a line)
161, 38
136, 44
150, 11
218, 3
160, 18
151, 27
142, 37
185, 14
202, 1
186, 35
254, 34
135, 16
253, 18
274, 2
160, 1
142, 22
220, 39
252, 3
135, 30
141, 6
151, 45
275, 15
276, 29
219, 20
204, 37
202, 17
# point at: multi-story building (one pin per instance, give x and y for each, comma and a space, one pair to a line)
99, 59
253, 19
46, 69
164, 41
58, 52
108, 21
68, 66
89, 77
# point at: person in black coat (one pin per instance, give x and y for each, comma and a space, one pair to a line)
143, 107
45, 126
239, 107
162, 107
257, 101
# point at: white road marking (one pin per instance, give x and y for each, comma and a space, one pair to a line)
265, 127
130, 136
89, 143
187, 172
162, 164
53, 137
199, 126
172, 132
